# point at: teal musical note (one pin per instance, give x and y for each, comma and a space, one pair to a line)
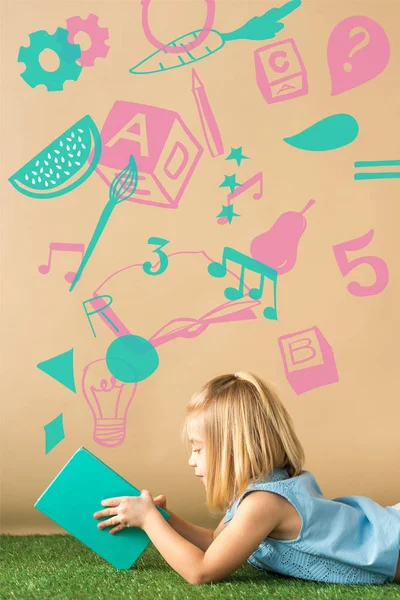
219, 270
147, 266
122, 187
258, 28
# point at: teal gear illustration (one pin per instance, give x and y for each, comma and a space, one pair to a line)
67, 53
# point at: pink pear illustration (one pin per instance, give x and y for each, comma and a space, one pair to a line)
277, 247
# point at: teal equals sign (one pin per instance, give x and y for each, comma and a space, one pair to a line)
363, 164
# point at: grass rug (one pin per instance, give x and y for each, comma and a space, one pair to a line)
41, 567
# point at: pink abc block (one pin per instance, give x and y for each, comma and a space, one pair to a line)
280, 71
308, 359
165, 150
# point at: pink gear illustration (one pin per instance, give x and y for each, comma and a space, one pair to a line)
98, 35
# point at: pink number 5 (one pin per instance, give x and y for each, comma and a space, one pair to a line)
378, 265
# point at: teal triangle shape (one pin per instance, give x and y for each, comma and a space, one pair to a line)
61, 368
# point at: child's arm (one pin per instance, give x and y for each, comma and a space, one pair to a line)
258, 514
199, 536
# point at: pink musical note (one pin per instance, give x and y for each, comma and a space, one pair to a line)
257, 179
62, 247
346, 266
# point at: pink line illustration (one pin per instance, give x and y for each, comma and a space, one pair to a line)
165, 150
98, 36
62, 247
108, 316
280, 71
378, 265
100, 309
109, 410
358, 50
256, 179
263, 27
228, 311
169, 49
308, 359
109, 402
278, 246
182, 164
208, 122
189, 328
108, 399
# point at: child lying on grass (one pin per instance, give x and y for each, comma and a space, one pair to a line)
246, 453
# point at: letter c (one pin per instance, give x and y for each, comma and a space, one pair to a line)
273, 61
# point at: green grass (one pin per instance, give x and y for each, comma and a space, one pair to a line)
57, 567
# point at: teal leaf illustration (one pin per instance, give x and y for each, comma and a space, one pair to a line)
330, 133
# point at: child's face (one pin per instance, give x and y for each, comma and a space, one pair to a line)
198, 457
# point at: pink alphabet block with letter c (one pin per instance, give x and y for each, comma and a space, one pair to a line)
280, 72
165, 150
308, 359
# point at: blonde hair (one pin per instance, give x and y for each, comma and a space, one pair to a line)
247, 433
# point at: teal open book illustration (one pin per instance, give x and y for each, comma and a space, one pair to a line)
75, 495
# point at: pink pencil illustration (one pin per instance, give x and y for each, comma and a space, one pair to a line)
208, 123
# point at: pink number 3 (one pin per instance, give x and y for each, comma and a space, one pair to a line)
345, 265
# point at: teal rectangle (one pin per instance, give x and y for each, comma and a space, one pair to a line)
75, 495
388, 175
377, 163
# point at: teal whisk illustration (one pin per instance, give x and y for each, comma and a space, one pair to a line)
122, 187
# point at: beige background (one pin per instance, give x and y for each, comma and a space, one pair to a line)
349, 429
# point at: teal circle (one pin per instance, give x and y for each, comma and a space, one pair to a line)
131, 358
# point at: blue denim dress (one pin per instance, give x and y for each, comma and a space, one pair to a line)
350, 539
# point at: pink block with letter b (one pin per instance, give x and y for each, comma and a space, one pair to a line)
165, 150
308, 359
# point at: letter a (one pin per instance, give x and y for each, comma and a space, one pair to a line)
140, 137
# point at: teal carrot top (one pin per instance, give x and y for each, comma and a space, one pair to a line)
349, 540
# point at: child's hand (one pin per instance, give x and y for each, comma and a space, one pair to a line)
125, 511
161, 501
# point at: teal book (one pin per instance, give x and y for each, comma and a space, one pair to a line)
75, 495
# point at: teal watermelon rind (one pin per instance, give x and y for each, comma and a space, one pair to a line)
61, 161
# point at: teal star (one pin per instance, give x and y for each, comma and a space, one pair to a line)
228, 212
237, 154
230, 182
